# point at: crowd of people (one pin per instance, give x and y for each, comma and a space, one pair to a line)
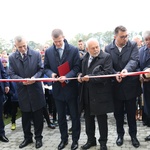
90, 94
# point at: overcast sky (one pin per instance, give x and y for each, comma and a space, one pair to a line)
35, 19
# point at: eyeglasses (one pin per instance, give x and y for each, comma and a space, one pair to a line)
124, 37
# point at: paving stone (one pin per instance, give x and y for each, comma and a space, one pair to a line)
51, 138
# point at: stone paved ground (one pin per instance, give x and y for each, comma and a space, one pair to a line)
51, 138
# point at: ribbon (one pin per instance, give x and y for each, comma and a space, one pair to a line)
75, 78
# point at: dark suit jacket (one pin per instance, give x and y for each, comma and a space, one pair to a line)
31, 97
144, 64
128, 59
98, 91
52, 61
3, 75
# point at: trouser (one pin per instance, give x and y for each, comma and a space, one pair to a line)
37, 118
90, 126
2, 132
130, 107
63, 127
15, 106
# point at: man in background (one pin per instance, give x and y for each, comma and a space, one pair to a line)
81, 47
4, 88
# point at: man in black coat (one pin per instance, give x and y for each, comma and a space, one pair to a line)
125, 57
65, 92
144, 55
4, 88
27, 64
96, 93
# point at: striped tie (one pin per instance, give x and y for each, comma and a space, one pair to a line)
90, 60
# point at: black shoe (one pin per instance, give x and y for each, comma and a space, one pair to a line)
147, 138
119, 141
25, 143
62, 145
38, 144
3, 138
51, 125
70, 131
74, 146
88, 145
135, 142
103, 147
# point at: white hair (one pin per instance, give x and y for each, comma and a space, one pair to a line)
146, 34
91, 40
137, 37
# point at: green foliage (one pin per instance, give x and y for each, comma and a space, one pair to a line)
8, 120
104, 38
4, 45
133, 33
34, 45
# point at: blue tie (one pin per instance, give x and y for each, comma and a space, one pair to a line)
60, 50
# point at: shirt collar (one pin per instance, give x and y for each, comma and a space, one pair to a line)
22, 54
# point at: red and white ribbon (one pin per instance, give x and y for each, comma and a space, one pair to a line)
75, 78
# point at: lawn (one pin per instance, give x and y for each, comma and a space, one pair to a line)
8, 120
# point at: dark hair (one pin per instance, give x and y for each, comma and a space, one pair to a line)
56, 33
80, 41
119, 28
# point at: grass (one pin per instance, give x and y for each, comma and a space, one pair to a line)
8, 120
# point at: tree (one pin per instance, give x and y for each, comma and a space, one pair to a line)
34, 45
108, 37
4, 45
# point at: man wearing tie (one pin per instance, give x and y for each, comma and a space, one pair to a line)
96, 93
27, 64
59, 53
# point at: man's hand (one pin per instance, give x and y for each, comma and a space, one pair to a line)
123, 72
80, 78
141, 78
85, 78
62, 79
6, 89
54, 75
29, 81
118, 77
147, 75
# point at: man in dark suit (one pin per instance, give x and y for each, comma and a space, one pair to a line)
125, 57
96, 93
27, 64
144, 55
4, 88
59, 53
